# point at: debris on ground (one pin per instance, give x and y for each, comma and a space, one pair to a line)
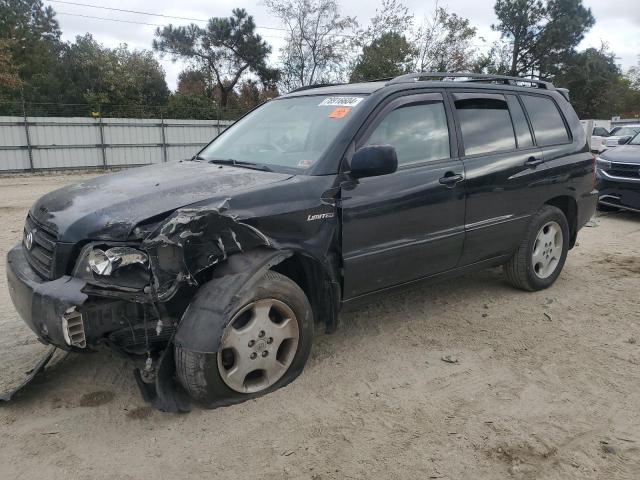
449, 359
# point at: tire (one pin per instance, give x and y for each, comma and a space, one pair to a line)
522, 271
206, 376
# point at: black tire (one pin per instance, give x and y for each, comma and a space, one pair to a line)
199, 373
519, 270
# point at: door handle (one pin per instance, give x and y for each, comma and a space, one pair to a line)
450, 179
533, 162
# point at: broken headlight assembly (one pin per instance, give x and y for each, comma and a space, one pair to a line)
119, 266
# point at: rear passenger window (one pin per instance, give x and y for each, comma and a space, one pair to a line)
418, 132
485, 123
520, 125
546, 120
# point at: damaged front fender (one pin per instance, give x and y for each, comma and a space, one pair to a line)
193, 239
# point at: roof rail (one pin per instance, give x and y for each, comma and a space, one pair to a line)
316, 85
470, 77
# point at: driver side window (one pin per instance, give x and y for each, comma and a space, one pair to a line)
418, 131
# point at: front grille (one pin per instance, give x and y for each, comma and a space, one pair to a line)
43, 248
627, 170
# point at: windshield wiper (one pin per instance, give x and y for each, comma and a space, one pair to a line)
238, 163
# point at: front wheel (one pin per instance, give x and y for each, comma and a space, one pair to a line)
539, 259
264, 346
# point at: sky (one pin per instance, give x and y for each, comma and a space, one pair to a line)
617, 22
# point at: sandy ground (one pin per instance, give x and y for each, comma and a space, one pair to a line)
545, 385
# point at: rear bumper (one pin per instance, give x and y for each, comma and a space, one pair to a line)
621, 194
42, 304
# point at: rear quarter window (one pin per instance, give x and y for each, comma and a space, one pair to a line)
546, 120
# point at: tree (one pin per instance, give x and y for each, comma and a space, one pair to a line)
496, 61
387, 56
31, 38
634, 76
226, 49
444, 43
9, 79
115, 81
542, 34
596, 85
591, 77
392, 17
317, 44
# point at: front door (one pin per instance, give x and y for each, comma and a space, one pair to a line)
409, 224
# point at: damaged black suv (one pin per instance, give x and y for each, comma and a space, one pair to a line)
212, 272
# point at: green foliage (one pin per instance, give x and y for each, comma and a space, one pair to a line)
226, 49
387, 56
542, 34
108, 79
591, 77
31, 37
9, 79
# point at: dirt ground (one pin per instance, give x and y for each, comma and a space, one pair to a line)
543, 385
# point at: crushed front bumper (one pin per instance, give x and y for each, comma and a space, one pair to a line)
42, 304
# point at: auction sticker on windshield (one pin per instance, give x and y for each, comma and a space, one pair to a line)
340, 102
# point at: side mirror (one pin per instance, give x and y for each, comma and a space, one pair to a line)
374, 160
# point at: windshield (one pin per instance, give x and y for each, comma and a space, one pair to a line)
288, 132
625, 131
635, 140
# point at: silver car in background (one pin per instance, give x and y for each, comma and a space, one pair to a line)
621, 135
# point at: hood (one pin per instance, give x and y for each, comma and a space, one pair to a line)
108, 207
623, 154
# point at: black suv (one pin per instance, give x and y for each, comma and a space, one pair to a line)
211, 272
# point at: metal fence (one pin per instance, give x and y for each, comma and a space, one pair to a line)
55, 143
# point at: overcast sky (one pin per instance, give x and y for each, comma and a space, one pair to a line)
617, 22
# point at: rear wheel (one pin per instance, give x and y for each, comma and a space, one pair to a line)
539, 259
264, 346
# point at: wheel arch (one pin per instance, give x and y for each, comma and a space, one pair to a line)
569, 207
319, 283
203, 322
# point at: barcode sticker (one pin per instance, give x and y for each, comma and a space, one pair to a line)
340, 102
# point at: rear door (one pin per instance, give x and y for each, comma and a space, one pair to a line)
410, 224
500, 161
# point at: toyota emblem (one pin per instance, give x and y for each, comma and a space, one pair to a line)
28, 240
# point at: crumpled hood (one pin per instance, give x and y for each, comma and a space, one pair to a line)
623, 154
108, 207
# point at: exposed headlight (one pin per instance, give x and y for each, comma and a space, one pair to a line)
106, 262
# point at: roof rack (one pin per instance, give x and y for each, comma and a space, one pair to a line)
470, 77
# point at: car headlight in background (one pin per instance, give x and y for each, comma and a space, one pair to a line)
105, 262
602, 163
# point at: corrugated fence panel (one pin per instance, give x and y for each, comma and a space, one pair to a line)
12, 134
133, 155
67, 158
181, 153
132, 130
79, 142
75, 131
